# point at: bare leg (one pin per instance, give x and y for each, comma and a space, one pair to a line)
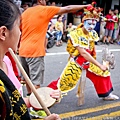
104, 39
109, 38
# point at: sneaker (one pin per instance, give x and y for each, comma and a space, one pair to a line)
111, 97
37, 114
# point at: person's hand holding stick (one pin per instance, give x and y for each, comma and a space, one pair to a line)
29, 82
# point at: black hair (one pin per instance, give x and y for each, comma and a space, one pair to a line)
58, 16
34, 2
111, 10
27, 3
9, 12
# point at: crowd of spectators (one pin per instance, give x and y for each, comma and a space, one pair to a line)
111, 29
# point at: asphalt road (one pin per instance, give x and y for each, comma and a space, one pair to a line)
55, 62
94, 108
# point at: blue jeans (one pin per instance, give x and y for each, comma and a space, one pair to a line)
59, 35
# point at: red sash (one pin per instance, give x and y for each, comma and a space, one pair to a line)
81, 61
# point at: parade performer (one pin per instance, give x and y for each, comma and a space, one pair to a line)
81, 47
12, 105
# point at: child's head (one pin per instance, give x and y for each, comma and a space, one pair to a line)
9, 25
111, 11
116, 11
70, 25
59, 18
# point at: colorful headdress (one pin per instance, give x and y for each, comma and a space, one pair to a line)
92, 13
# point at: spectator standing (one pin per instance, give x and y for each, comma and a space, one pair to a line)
109, 27
54, 19
116, 26
59, 29
64, 20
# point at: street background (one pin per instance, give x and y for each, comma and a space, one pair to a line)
94, 108
55, 62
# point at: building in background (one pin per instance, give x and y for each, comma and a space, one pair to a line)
105, 4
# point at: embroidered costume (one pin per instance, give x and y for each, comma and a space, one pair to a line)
12, 106
77, 64
72, 72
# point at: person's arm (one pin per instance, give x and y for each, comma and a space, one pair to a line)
27, 102
52, 117
88, 57
115, 20
71, 8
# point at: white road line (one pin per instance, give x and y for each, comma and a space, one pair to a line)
65, 53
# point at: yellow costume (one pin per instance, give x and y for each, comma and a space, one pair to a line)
72, 72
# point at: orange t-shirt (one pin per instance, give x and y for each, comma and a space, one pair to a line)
34, 24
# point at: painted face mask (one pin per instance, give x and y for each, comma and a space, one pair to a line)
89, 25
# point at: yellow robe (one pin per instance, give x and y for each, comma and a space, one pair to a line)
72, 72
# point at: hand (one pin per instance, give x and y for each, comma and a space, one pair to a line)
110, 20
103, 67
52, 117
55, 94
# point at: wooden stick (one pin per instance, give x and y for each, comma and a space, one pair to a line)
29, 82
81, 88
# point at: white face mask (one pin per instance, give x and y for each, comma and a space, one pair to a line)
90, 24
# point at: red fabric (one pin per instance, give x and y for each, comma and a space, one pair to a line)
110, 25
13, 65
81, 60
3, 112
53, 84
102, 84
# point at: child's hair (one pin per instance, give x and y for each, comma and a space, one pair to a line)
9, 12
58, 16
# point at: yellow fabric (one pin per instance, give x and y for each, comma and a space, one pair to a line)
1, 97
93, 68
72, 72
69, 78
2, 88
59, 26
69, 29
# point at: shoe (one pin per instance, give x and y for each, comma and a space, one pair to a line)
118, 43
107, 43
47, 51
111, 97
96, 43
104, 43
37, 114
